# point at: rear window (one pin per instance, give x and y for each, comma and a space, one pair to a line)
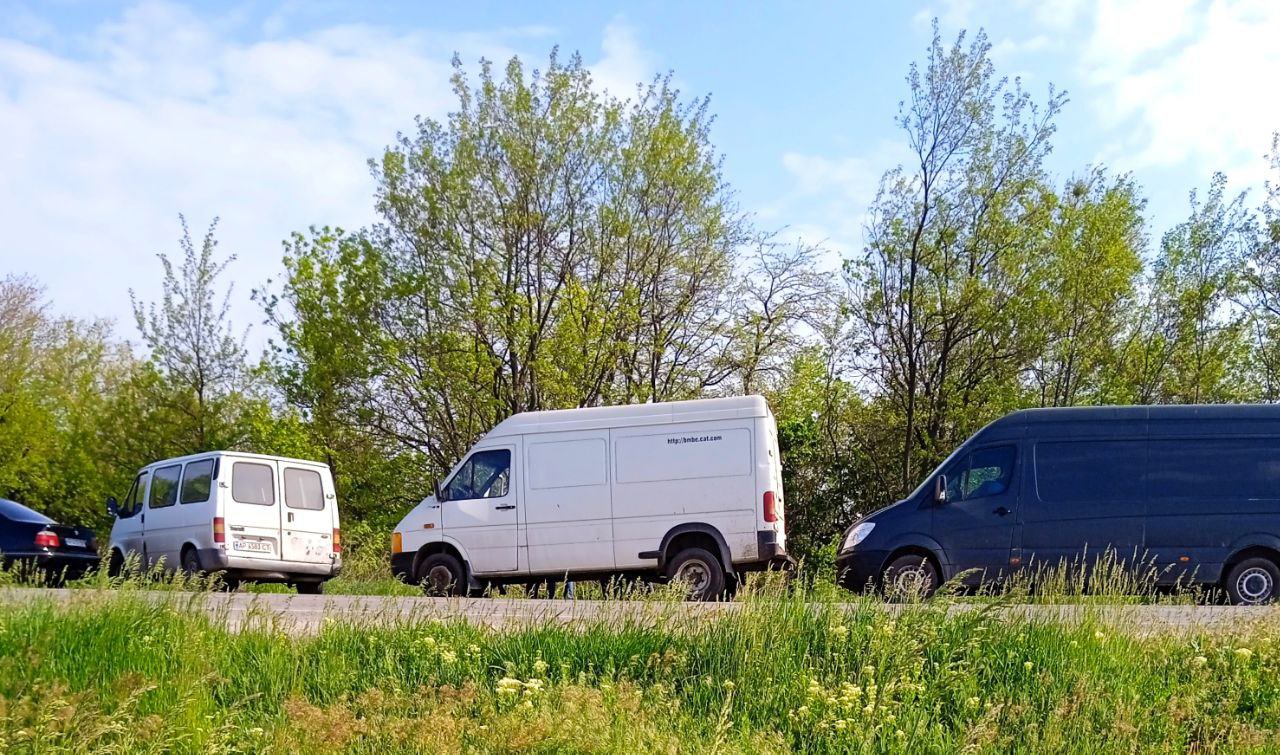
16, 512
164, 487
302, 489
1081, 471
253, 483
197, 480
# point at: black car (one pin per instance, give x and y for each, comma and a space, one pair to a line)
1192, 492
32, 541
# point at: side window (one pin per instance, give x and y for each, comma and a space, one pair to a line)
164, 487
486, 474
990, 470
197, 481
302, 489
253, 483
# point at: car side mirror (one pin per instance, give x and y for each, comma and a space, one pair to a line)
940, 489
113, 508
440, 498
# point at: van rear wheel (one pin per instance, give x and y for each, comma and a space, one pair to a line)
190, 562
1253, 582
441, 574
700, 571
910, 578
309, 588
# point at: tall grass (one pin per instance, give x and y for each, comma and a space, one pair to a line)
115, 672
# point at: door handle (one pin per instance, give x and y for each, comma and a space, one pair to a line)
504, 508
291, 516
1001, 511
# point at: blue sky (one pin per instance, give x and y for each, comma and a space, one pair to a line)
115, 117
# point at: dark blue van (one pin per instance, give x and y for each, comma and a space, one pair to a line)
1191, 491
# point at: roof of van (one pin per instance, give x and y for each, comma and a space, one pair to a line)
245, 454
631, 415
1120, 413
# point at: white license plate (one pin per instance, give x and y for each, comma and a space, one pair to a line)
252, 546
76, 542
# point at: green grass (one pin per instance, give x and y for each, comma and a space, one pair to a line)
120, 673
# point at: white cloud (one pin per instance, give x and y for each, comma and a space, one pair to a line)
110, 135
1193, 88
625, 63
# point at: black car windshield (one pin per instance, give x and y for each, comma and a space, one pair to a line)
16, 512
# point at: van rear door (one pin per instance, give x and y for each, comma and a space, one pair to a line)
252, 511
306, 517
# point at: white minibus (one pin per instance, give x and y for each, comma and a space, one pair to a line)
686, 490
248, 516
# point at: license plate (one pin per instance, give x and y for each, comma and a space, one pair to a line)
76, 542
252, 546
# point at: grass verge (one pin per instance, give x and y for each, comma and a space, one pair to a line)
123, 673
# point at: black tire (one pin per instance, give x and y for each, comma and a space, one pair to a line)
191, 562
1252, 582
442, 574
115, 563
310, 588
700, 570
910, 577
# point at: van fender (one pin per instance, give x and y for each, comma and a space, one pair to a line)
682, 529
923, 542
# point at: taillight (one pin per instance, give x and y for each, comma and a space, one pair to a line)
397, 542
770, 507
337, 540
219, 530
47, 539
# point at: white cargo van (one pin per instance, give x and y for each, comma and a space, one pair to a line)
688, 490
252, 517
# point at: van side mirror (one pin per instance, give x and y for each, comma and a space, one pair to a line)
940, 489
113, 508
435, 485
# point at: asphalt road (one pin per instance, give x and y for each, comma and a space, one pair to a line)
302, 614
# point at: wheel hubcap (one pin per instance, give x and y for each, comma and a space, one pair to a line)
439, 577
1255, 585
695, 574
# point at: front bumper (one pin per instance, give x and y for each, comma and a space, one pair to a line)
402, 566
217, 559
859, 569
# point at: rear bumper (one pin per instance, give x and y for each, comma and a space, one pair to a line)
770, 554
69, 564
217, 559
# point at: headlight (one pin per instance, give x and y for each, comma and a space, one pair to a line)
857, 535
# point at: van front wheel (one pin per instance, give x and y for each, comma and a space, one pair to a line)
910, 578
441, 574
700, 571
1253, 582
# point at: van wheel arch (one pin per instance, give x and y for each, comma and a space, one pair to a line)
1253, 551
694, 535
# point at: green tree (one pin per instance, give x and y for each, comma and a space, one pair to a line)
202, 363
1197, 278
946, 295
